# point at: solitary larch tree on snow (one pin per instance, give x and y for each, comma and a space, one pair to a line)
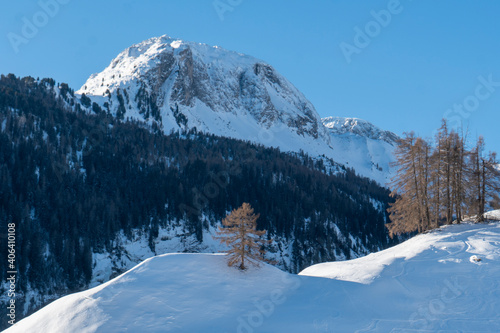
239, 232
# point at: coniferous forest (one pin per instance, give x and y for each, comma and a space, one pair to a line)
72, 177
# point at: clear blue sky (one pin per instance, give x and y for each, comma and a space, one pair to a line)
430, 56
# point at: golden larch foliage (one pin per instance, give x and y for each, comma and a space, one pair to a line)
239, 232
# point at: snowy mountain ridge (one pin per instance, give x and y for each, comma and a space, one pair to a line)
343, 125
178, 85
358, 144
432, 282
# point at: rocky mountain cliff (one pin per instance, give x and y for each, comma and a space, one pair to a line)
183, 85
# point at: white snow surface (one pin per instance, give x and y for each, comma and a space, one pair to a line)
493, 215
426, 284
233, 95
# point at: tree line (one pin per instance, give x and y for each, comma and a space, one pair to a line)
441, 182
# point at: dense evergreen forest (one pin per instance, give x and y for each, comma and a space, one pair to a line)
72, 176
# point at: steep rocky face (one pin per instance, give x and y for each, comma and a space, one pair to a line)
181, 85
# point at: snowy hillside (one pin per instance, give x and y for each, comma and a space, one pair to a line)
178, 85
359, 144
433, 282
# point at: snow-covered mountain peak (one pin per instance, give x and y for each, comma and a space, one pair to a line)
182, 85
138, 59
342, 125
179, 85
362, 146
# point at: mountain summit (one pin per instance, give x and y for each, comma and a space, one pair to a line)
176, 85
183, 85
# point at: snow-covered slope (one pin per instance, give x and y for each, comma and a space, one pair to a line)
181, 85
362, 146
430, 283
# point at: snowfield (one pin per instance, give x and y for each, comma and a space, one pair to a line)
431, 283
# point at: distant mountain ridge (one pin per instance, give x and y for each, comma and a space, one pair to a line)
343, 125
178, 85
362, 146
